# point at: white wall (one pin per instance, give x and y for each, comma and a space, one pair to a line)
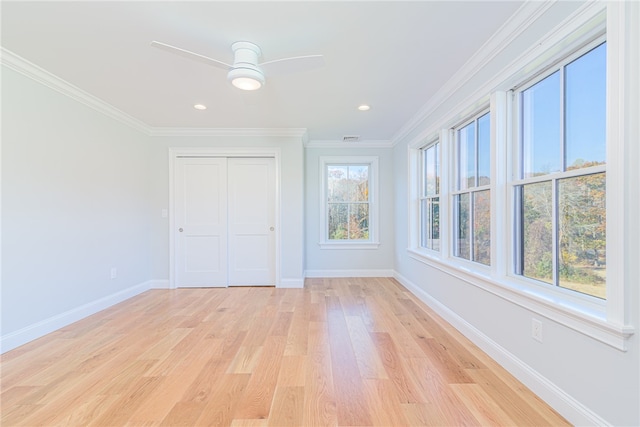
75, 202
586, 380
361, 262
291, 197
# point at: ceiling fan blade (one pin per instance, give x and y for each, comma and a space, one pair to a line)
292, 65
191, 55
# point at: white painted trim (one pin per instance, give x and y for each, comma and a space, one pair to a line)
574, 315
574, 411
159, 284
39, 329
518, 23
609, 324
374, 207
372, 143
175, 152
514, 73
291, 283
349, 245
348, 273
42, 76
234, 132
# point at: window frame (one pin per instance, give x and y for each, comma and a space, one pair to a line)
606, 321
370, 243
423, 196
457, 191
518, 179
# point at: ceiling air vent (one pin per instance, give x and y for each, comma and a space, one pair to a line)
351, 138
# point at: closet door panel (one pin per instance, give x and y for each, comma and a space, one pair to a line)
201, 220
251, 221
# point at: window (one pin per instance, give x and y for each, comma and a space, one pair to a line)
560, 195
537, 210
472, 198
349, 210
430, 197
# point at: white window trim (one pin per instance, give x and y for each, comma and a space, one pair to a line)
606, 321
372, 242
422, 191
453, 191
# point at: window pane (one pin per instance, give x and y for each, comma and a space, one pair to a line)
467, 156
431, 183
337, 183
585, 115
462, 244
582, 234
359, 183
424, 223
430, 223
434, 224
482, 227
359, 221
437, 158
536, 232
484, 150
338, 227
541, 127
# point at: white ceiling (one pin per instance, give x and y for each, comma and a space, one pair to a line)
392, 55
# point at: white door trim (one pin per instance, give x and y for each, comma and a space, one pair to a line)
175, 152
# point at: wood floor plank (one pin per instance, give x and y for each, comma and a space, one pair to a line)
340, 352
524, 411
367, 356
287, 408
319, 400
384, 402
219, 409
256, 402
404, 384
297, 336
122, 408
292, 371
481, 405
348, 386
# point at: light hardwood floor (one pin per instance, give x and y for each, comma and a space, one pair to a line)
340, 352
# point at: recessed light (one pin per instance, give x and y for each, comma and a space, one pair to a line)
200, 107
364, 107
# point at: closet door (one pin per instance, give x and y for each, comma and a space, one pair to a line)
201, 220
251, 211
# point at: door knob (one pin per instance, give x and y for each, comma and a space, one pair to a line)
180, 229
271, 228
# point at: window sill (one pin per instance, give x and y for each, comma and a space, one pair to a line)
349, 245
586, 318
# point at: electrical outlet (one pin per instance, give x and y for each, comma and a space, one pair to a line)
114, 273
536, 329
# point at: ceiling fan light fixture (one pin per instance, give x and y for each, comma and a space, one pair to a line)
246, 78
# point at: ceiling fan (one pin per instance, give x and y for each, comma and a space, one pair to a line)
245, 72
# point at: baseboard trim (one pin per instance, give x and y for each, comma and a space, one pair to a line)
348, 273
29, 333
291, 283
574, 411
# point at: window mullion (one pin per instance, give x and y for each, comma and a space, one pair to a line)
471, 228
563, 116
555, 232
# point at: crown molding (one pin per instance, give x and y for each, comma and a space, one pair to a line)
42, 76
521, 20
300, 133
372, 143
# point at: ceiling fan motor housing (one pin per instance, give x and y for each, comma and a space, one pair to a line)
245, 64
